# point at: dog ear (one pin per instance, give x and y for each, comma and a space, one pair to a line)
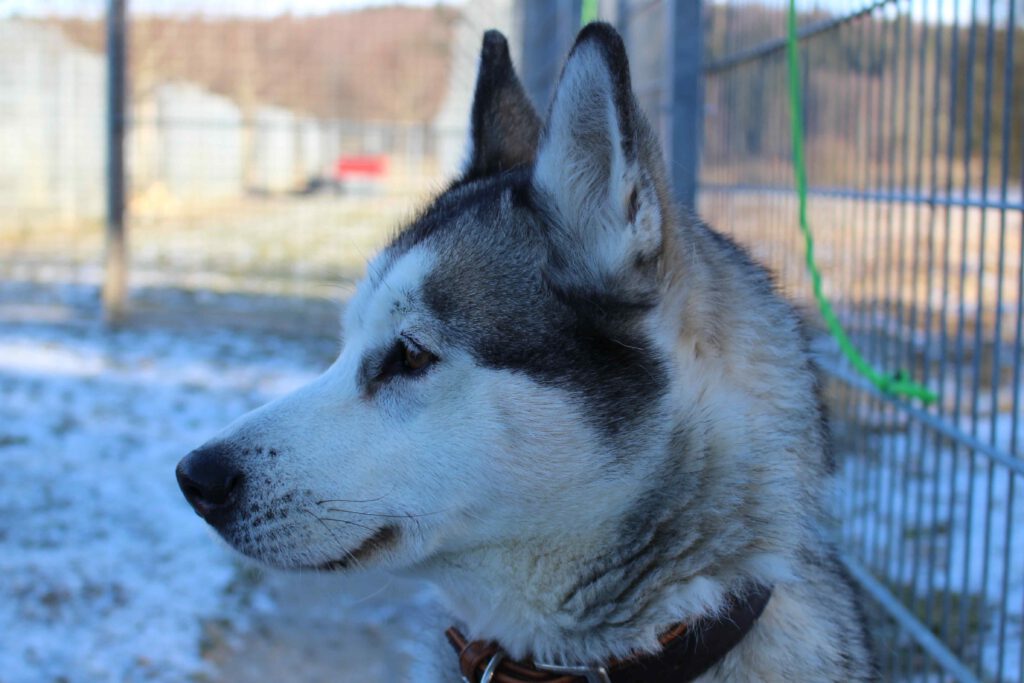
504, 125
600, 166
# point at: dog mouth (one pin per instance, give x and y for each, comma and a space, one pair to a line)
382, 538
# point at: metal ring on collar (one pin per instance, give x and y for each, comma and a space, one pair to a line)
492, 667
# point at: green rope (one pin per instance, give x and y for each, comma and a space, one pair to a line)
588, 12
900, 383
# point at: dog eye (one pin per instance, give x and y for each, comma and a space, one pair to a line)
406, 358
416, 358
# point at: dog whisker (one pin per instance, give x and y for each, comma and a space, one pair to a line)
345, 500
356, 500
348, 553
345, 521
407, 515
325, 526
375, 593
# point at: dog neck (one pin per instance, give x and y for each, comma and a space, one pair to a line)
686, 652
610, 595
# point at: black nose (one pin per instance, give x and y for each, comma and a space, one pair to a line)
210, 481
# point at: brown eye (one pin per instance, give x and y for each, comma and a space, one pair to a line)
405, 359
415, 358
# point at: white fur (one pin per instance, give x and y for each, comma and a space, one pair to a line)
458, 450
592, 185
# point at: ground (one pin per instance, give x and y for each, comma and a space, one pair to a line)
108, 575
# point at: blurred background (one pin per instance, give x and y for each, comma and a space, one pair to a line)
189, 191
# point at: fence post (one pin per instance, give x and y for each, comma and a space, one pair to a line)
114, 272
548, 31
622, 20
685, 54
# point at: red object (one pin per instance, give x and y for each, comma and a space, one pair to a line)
366, 167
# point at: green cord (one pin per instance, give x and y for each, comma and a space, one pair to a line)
588, 12
900, 383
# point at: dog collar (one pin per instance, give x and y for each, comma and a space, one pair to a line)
687, 651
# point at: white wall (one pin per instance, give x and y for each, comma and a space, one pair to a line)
52, 142
188, 141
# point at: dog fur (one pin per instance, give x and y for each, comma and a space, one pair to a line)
616, 426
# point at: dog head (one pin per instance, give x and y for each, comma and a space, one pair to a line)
499, 372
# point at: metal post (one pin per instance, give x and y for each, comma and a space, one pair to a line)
114, 280
622, 10
549, 29
685, 54
568, 26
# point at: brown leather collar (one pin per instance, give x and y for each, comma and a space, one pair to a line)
687, 652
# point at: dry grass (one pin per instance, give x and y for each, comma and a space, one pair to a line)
281, 245
934, 291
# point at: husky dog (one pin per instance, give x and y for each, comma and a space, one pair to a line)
581, 413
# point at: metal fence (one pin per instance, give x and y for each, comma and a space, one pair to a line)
914, 114
205, 159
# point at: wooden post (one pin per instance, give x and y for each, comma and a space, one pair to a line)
115, 265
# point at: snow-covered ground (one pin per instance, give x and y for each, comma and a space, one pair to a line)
105, 573
944, 527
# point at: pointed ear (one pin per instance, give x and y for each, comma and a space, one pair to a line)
599, 164
505, 127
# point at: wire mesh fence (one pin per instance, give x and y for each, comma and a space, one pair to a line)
914, 113
914, 119
249, 150
52, 118
268, 153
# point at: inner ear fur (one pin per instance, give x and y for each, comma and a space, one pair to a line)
600, 166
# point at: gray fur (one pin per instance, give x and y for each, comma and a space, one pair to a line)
503, 292
657, 416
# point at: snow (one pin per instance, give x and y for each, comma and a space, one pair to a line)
107, 575
940, 519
